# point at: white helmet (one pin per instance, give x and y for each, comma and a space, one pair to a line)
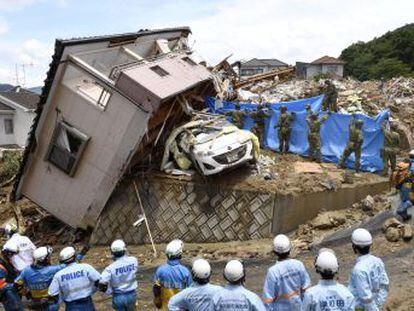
201, 269
326, 262
67, 254
234, 271
118, 246
361, 237
411, 154
281, 244
10, 229
174, 248
42, 253
325, 249
10, 247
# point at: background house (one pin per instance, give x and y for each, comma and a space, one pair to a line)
17, 111
325, 65
255, 66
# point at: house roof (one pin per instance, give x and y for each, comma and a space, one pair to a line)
273, 62
327, 60
22, 97
4, 107
53, 67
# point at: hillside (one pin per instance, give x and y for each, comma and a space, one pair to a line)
388, 56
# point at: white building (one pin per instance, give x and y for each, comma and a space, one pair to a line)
325, 65
17, 111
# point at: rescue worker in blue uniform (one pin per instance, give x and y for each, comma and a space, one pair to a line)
199, 296
172, 277
75, 284
9, 297
287, 280
369, 281
35, 279
121, 278
328, 295
234, 296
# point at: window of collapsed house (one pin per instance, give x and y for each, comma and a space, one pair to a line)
8, 126
66, 148
87, 87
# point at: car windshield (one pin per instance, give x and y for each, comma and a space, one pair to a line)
205, 134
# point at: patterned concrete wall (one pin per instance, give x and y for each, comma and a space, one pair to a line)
190, 211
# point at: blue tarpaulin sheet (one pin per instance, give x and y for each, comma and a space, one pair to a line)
334, 131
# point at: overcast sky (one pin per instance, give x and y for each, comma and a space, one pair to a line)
290, 30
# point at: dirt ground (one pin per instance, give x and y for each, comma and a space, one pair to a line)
257, 255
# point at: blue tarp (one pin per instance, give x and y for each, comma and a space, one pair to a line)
334, 132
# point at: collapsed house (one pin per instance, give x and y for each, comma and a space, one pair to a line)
106, 102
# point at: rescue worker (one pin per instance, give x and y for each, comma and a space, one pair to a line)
234, 296
259, 117
355, 142
331, 97
199, 296
403, 180
172, 277
391, 146
328, 294
369, 281
314, 136
24, 257
237, 116
121, 278
287, 280
35, 279
411, 155
9, 297
284, 128
75, 284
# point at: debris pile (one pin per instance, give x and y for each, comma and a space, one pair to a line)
327, 222
394, 230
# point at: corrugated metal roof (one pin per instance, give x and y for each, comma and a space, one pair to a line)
272, 62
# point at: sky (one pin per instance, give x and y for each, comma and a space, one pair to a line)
289, 30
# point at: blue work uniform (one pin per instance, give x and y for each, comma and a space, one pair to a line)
284, 285
406, 191
171, 277
8, 294
412, 165
76, 285
328, 295
196, 297
121, 277
369, 283
36, 279
236, 297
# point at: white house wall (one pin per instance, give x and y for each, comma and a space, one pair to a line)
23, 121
114, 135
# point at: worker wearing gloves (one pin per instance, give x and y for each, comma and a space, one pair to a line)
235, 296
9, 297
121, 278
75, 284
328, 294
172, 277
199, 296
24, 257
287, 280
369, 281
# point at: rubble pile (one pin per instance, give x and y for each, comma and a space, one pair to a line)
394, 230
327, 222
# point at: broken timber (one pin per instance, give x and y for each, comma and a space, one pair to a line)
267, 75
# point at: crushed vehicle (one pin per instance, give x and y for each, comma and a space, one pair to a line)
211, 144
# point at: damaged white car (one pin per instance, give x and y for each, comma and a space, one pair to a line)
211, 144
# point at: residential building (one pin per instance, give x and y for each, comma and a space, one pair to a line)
17, 112
106, 103
256, 66
327, 65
